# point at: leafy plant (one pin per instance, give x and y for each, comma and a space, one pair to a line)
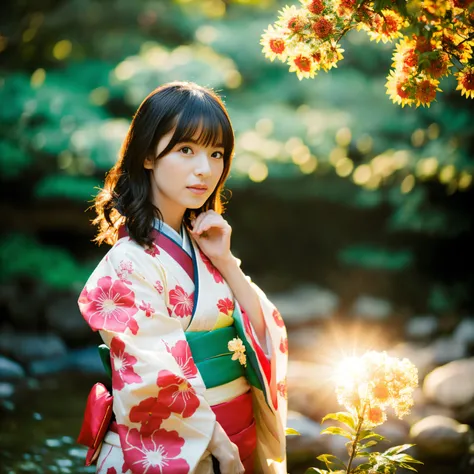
367, 386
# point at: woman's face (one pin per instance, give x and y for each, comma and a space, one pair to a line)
184, 178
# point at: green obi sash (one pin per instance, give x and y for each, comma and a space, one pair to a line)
214, 359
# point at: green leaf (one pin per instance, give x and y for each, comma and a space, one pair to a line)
330, 459
292, 432
342, 416
363, 468
369, 444
366, 434
336, 430
315, 469
397, 449
407, 466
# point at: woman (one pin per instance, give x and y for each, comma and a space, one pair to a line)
198, 382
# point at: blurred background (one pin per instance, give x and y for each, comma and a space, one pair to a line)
353, 214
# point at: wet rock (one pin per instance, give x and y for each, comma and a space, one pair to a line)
24, 301
464, 332
10, 370
440, 436
309, 440
451, 385
422, 357
422, 327
309, 392
396, 431
302, 342
6, 390
63, 315
305, 303
370, 308
85, 360
29, 347
446, 349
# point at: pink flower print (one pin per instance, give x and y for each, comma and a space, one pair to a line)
125, 268
158, 287
282, 388
284, 345
182, 354
278, 319
147, 308
122, 365
177, 394
111, 305
181, 302
225, 306
154, 454
218, 278
111, 470
153, 250
149, 413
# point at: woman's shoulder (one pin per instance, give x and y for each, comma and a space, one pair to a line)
127, 256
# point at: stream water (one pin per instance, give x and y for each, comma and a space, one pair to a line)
38, 429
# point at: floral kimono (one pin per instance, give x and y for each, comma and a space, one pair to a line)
183, 355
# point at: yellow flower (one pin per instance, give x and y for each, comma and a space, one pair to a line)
377, 381
237, 347
466, 81
274, 43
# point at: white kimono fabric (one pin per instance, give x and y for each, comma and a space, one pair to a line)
142, 301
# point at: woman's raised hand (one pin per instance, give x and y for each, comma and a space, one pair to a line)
212, 233
225, 451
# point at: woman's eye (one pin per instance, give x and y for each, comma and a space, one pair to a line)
218, 154
186, 150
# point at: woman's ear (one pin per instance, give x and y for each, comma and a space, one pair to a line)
149, 163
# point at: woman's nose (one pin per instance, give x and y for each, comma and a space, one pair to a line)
203, 167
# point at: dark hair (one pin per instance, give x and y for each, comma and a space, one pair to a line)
126, 196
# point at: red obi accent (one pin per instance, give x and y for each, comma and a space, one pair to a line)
236, 418
235, 415
97, 416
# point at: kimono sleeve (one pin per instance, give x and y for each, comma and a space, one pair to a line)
270, 411
164, 422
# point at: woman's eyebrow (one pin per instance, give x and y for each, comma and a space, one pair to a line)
198, 142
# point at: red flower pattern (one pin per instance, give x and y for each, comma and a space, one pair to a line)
226, 306
284, 345
111, 470
111, 305
153, 454
125, 268
177, 394
159, 287
182, 354
182, 302
122, 365
278, 319
153, 250
218, 278
147, 308
149, 413
282, 388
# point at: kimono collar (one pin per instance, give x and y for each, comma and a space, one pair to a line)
182, 238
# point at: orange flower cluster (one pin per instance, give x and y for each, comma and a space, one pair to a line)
307, 39
368, 385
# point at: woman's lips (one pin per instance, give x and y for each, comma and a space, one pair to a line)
196, 190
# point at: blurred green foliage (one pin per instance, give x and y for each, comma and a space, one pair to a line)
74, 71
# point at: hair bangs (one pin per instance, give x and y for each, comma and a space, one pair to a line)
202, 121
